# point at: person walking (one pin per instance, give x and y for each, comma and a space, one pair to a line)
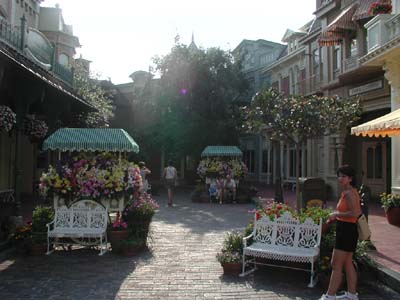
170, 176
144, 171
346, 215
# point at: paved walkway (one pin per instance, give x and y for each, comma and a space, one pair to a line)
181, 264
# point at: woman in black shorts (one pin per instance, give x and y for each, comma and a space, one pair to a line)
346, 215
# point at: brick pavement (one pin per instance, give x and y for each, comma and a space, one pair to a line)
180, 264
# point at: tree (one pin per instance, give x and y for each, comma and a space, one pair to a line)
195, 105
92, 92
296, 119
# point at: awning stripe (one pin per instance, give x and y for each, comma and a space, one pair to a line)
388, 124
221, 151
91, 139
334, 33
362, 11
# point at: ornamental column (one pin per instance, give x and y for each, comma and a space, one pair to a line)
392, 74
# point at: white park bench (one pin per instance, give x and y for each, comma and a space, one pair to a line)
85, 223
284, 239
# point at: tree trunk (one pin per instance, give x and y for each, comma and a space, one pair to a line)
299, 201
278, 197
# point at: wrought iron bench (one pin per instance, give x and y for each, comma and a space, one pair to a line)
284, 239
85, 223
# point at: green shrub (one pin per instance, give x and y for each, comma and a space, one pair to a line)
41, 216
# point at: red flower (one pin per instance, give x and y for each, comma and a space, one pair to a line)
258, 215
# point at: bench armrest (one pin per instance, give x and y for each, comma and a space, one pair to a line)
49, 225
247, 238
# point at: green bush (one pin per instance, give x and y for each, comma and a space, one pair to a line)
40, 217
232, 248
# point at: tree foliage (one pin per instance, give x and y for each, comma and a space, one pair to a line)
297, 118
92, 92
195, 105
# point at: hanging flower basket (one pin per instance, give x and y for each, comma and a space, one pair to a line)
380, 8
7, 118
35, 129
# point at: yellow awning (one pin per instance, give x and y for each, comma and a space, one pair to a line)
388, 124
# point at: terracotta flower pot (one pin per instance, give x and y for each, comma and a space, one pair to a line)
115, 238
232, 268
38, 249
393, 216
131, 251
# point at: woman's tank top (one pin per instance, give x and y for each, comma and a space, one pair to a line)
343, 207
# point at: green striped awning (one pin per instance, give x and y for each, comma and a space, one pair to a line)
91, 139
221, 151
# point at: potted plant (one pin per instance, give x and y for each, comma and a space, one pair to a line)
35, 129
7, 118
41, 216
22, 238
138, 214
118, 232
316, 213
231, 254
391, 204
132, 246
380, 7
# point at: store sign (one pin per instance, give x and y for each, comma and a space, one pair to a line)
39, 46
366, 88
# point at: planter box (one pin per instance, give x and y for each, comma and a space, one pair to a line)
234, 268
393, 216
116, 237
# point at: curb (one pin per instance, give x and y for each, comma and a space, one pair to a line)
6, 254
388, 277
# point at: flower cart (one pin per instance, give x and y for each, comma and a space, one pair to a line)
216, 163
91, 168
95, 171
219, 161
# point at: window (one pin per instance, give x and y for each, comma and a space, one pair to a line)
336, 58
353, 48
248, 156
374, 162
285, 86
267, 58
265, 161
316, 59
63, 59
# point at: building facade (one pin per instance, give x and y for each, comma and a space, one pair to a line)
34, 87
382, 51
255, 56
348, 52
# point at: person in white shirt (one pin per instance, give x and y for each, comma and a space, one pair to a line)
143, 172
229, 186
170, 175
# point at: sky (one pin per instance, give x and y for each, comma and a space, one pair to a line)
122, 36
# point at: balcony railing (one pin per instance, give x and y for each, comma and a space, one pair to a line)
10, 35
310, 85
15, 39
382, 29
63, 73
350, 64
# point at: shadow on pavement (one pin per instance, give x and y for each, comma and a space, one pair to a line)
76, 274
